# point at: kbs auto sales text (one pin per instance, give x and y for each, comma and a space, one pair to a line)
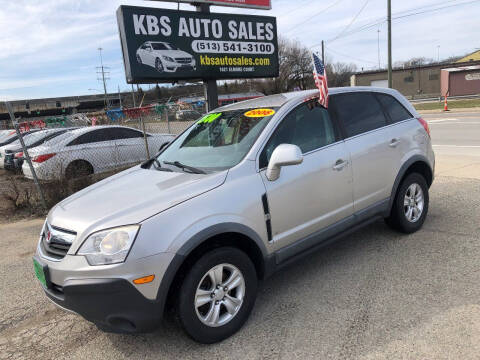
203, 28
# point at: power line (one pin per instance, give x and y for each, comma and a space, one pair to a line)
352, 21
313, 16
432, 10
397, 15
426, 6
349, 56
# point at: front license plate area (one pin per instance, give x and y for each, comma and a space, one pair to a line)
41, 271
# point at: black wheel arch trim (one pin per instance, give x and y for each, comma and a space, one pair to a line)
194, 242
401, 174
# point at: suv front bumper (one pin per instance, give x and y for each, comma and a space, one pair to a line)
112, 304
106, 294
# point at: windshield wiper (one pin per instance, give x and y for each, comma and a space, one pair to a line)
185, 167
158, 166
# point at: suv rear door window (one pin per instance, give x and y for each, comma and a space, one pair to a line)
394, 109
359, 112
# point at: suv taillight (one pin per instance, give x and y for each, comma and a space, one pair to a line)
425, 125
18, 155
42, 158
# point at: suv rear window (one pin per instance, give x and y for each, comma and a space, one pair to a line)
394, 109
359, 112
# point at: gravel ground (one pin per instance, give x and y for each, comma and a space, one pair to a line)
373, 295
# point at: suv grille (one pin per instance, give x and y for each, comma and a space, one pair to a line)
183, 60
55, 242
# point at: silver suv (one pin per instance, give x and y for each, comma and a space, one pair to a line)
244, 191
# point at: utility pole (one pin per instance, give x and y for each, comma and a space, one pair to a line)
323, 53
119, 97
133, 97
389, 21
210, 85
378, 45
101, 70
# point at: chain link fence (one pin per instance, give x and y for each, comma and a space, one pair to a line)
65, 153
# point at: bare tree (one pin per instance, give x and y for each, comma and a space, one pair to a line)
339, 73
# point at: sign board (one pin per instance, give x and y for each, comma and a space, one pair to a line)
255, 4
472, 76
162, 45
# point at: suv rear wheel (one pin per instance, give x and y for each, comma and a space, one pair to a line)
217, 295
411, 204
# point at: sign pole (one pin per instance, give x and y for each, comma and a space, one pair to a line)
209, 86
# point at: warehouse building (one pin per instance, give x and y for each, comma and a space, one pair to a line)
460, 81
423, 81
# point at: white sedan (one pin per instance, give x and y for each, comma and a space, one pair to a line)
164, 56
92, 150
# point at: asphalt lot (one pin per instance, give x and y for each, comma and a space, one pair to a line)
373, 295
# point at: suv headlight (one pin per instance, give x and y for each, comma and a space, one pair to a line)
109, 246
168, 58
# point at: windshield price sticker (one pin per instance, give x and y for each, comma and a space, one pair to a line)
259, 113
209, 118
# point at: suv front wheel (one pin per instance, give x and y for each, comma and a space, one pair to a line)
410, 206
217, 295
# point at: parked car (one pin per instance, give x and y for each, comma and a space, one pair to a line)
4, 133
13, 153
92, 150
12, 139
11, 136
244, 191
185, 115
165, 57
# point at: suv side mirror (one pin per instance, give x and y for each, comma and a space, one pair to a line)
283, 155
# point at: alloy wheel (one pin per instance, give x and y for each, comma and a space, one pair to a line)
413, 202
219, 295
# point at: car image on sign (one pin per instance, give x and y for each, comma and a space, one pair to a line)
164, 56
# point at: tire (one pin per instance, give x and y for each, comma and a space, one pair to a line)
78, 169
158, 65
411, 194
198, 278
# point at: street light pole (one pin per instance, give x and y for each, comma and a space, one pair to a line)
389, 21
378, 46
103, 77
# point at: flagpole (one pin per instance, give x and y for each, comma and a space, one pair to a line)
323, 54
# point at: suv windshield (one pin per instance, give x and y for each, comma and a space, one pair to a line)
218, 141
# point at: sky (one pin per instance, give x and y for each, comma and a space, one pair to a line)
49, 48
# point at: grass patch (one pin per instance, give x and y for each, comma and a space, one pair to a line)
452, 104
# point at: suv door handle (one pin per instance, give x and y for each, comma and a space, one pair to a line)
394, 142
340, 164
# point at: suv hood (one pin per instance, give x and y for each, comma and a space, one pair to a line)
129, 198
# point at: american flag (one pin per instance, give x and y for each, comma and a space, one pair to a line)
320, 76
